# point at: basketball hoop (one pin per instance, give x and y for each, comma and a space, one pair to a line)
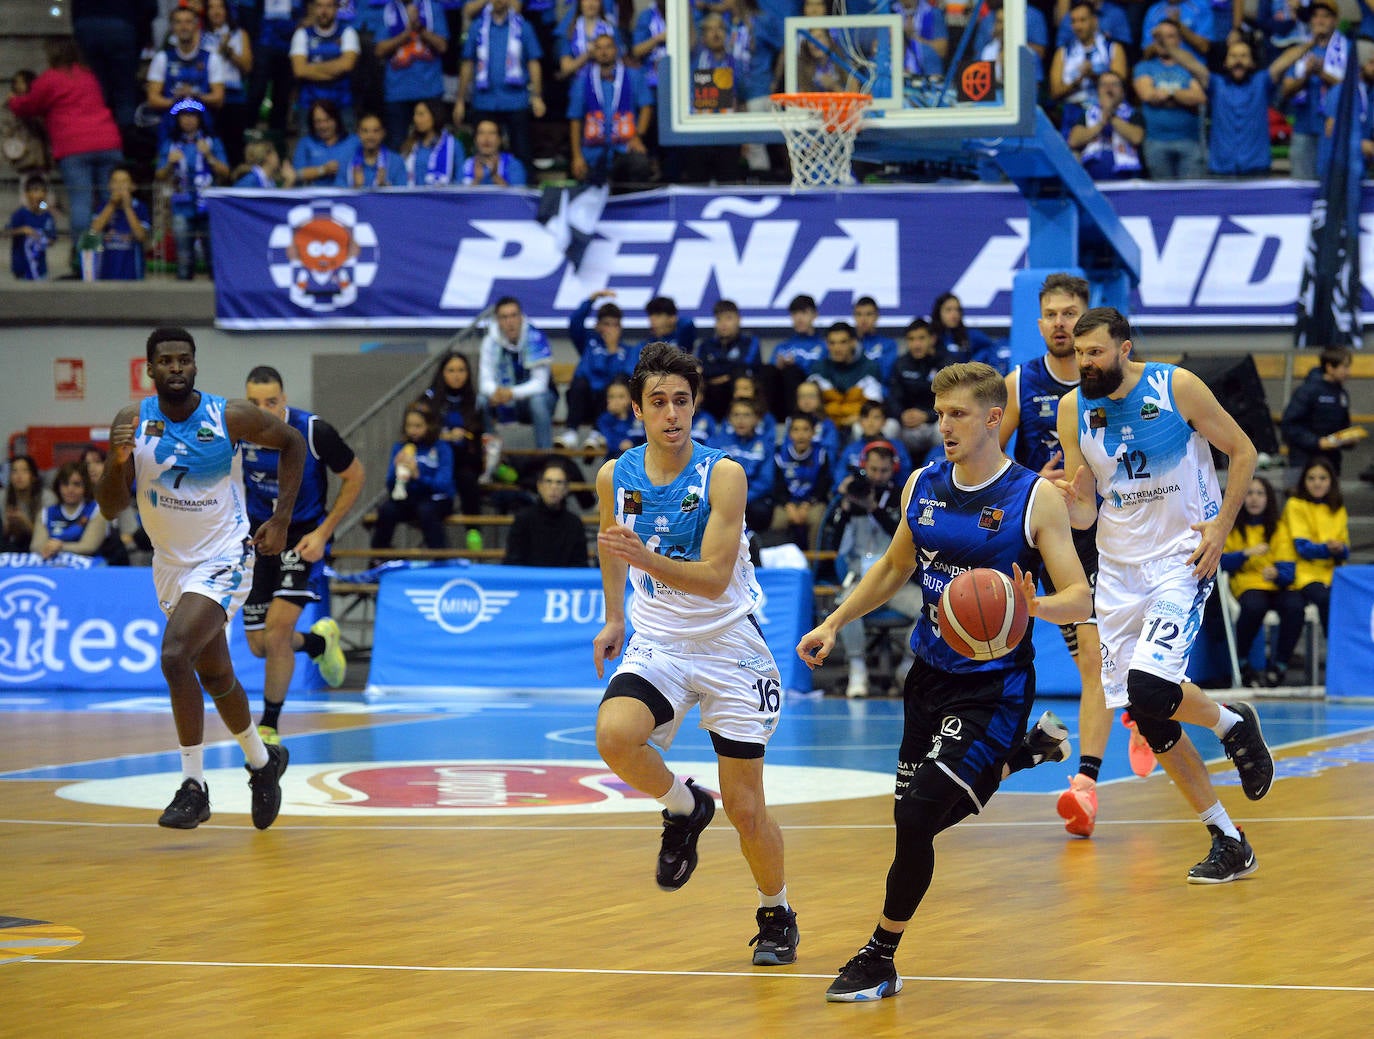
819, 129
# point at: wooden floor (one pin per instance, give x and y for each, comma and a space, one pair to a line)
551, 925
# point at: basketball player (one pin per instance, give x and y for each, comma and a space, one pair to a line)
177, 454
1140, 435
282, 585
965, 720
672, 516
1033, 393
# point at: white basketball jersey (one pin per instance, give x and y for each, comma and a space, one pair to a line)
1154, 471
188, 483
671, 520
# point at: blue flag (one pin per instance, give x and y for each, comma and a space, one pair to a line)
1329, 299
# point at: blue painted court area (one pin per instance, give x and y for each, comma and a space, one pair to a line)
827, 732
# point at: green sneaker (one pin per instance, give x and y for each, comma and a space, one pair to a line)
269, 736
331, 662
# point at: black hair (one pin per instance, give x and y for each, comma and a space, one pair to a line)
168, 334
265, 373
1334, 498
662, 305
1115, 322
659, 360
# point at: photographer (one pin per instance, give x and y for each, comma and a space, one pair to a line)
859, 527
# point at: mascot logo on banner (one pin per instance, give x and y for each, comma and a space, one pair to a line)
322, 255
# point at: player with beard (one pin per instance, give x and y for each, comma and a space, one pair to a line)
1034, 390
177, 454
1141, 435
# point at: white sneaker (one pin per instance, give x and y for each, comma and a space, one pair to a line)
858, 680
567, 439
491, 455
595, 441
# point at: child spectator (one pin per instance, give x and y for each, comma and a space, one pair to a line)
880, 349
666, 326
793, 358
192, 161
846, 378
374, 165
32, 229
802, 481
1316, 520
726, 354
869, 431
263, 168
617, 425
123, 226
824, 433
74, 523
603, 355
744, 441
910, 400
420, 479
1258, 559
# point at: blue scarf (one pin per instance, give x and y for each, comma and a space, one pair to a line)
515, 50
382, 164
502, 168
438, 164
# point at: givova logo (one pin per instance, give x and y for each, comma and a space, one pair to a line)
37, 642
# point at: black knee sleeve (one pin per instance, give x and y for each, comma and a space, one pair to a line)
1152, 702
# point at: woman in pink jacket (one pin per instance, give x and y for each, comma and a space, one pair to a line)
85, 140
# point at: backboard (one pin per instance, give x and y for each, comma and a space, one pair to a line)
983, 85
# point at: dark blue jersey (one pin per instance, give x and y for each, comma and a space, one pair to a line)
325, 452
1037, 432
956, 529
64, 528
801, 479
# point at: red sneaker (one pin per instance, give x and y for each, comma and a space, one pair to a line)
1078, 806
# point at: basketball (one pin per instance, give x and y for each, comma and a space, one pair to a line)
983, 614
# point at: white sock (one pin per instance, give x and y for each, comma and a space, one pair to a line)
1228, 718
678, 800
193, 763
1216, 816
771, 901
253, 747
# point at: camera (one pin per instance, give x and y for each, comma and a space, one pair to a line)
860, 487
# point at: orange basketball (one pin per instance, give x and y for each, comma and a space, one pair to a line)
983, 615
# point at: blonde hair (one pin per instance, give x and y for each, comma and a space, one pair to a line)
986, 382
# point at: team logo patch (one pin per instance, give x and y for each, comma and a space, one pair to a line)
951, 725
1097, 418
1149, 411
323, 255
991, 519
204, 435
691, 502
927, 517
154, 427
633, 503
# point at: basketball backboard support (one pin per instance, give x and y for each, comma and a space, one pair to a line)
698, 103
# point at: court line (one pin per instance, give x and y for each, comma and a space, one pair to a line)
612, 972
648, 825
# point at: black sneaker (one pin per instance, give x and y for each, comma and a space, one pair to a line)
1230, 859
677, 856
867, 976
189, 808
1048, 740
778, 937
1244, 745
265, 786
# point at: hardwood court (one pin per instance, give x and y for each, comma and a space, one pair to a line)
551, 925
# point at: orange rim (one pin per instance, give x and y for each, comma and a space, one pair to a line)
837, 109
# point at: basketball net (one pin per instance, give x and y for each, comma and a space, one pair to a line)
819, 129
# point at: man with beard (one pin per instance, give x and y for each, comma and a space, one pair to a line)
178, 454
1141, 435
1238, 104
1034, 390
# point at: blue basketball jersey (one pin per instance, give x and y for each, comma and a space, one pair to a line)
189, 483
671, 520
961, 528
260, 476
1037, 435
68, 529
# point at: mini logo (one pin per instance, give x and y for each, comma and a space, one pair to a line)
1047, 407
460, 605
991, 519
322, 255
250, 454
927, 517
1127, 433
1149, 411
204, 435
661, 525
691, 502
928, 556
951, 725
1097, 418
154, 427
762, 665
632, 503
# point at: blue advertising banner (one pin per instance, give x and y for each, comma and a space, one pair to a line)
99, 630
1212, 254
1350, 642
517, 629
